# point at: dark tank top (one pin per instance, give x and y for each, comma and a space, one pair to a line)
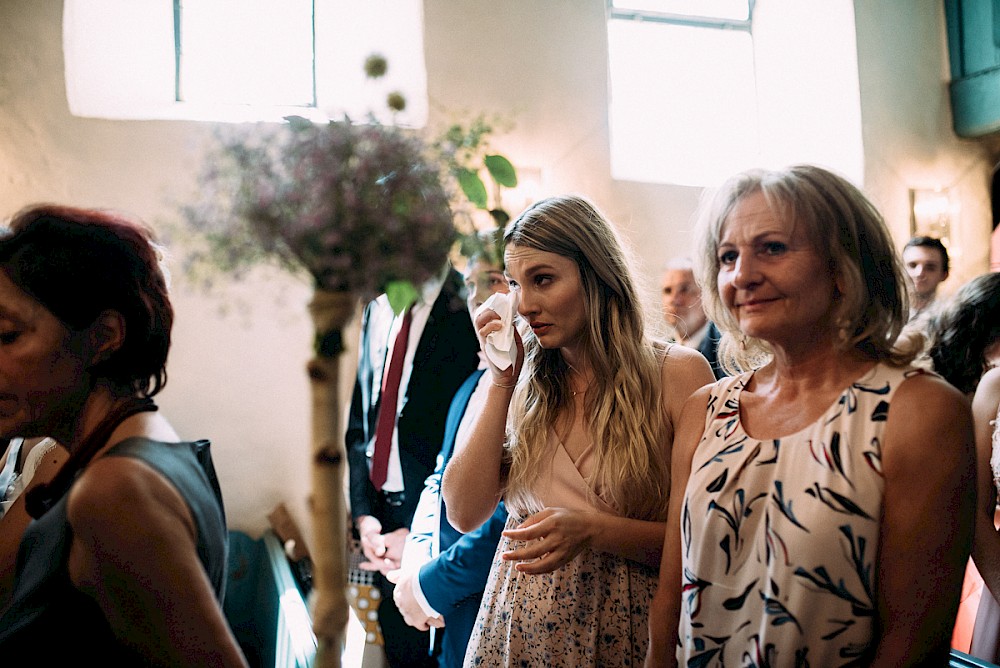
48, 621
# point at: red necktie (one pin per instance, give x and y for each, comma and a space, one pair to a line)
387, 405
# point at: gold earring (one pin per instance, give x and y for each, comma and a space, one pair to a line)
843, 329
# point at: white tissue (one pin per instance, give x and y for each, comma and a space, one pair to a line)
500, 347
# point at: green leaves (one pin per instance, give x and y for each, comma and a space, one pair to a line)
500, 217
472, 186
466, 157
401, 294
501, 170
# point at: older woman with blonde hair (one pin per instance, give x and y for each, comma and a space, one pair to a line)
819, 510
577, 445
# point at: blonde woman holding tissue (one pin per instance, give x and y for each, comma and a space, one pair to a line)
577, 445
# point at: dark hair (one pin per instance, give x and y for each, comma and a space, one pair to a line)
930, 242
79, 263
964, 329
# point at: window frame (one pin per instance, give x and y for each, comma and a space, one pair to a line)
123, 62
799, 109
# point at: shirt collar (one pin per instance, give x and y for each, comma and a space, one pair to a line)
696, 337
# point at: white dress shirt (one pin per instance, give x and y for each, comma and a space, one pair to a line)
421, 311
696, 338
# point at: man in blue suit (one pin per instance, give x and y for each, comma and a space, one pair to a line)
443, 573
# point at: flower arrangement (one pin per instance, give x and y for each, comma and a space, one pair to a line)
360, 207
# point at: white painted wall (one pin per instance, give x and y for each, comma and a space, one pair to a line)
238, 378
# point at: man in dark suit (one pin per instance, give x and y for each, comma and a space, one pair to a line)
683, 311
443, 574
441, 352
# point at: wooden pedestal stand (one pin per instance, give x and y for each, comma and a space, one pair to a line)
330, 312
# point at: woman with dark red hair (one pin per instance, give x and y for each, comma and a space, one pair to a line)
125, 562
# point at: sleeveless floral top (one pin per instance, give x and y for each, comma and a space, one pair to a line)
780, 536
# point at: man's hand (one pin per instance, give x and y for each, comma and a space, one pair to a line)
383, 551
409, 607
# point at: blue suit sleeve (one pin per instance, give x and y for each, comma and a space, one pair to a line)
461, 571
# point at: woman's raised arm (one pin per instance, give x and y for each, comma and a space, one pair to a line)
472, 486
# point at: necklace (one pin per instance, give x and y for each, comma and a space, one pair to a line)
572, 370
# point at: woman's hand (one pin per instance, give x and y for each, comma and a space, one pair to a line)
488, 321
555, 535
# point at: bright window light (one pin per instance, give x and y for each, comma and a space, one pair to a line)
347, 32
117, 53
243, 60
694, 104
683, 102
247, 52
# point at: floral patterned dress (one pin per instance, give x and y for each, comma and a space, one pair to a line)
591, 612
780, 536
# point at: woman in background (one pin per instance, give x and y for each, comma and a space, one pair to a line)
819, 511
24, 458
577, 446
26, 463
126, 561
965, 349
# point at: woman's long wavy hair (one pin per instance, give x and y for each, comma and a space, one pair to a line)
962, 332
843, 226
625, 406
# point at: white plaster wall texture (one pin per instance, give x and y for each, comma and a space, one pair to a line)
238, 378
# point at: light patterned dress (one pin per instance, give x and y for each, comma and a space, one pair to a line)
780, 536
591, 612
985, 642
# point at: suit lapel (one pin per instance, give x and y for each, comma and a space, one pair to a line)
449, 297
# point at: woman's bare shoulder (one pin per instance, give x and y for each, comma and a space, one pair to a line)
989, 384
926, 414
686, 364
113, 486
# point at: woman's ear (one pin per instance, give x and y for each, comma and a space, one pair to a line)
105, 336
